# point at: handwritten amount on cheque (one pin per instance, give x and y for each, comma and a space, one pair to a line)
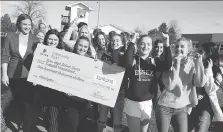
59, 68
60, 73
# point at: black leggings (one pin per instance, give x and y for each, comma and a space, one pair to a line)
22, 90
23, 96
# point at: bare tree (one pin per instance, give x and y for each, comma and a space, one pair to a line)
34, 9
153, 32
173, 35
138, 30
174, 25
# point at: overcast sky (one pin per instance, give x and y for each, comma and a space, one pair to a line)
192, 16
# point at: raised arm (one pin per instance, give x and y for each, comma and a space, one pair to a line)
166, 63
116, 56
199, 76
128, 56
66, 39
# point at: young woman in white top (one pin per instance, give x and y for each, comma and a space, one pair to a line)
208, 106
180, 84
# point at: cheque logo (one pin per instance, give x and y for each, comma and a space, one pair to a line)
44, 50
44, 53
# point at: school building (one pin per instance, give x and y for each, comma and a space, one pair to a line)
111, 27
199, 39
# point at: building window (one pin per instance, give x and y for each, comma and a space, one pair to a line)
81, 13
64, 20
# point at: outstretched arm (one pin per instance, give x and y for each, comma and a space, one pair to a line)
128, 56
66, 39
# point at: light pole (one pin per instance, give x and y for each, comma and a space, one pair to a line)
98, 13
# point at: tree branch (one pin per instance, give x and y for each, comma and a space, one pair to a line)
34, 9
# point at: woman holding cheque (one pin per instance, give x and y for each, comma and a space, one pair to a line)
16, 61
102, 55
141, 71
50, 99
81, 45
54, 100
116, 57
76, 106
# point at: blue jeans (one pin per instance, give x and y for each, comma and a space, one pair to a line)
201, 116
164, 115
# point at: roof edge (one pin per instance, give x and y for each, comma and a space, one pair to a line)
71, 5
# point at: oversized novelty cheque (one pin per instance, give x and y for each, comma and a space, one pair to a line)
77, 75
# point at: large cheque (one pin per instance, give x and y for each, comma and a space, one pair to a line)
77, 75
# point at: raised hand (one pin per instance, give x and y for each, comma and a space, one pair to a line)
177, 59
74, 23
166, 38
135, 36
208, 70
210, 64
198, 58
164, 35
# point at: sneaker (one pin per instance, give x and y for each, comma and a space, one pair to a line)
108, 129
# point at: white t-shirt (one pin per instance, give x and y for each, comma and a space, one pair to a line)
22, 49
23, 43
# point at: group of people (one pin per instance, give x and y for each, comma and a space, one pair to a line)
177, 83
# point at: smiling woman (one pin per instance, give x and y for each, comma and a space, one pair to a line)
141, 72
208, 106
82, 46
16, 58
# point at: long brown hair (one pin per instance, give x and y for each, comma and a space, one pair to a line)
211, 51
21, 18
